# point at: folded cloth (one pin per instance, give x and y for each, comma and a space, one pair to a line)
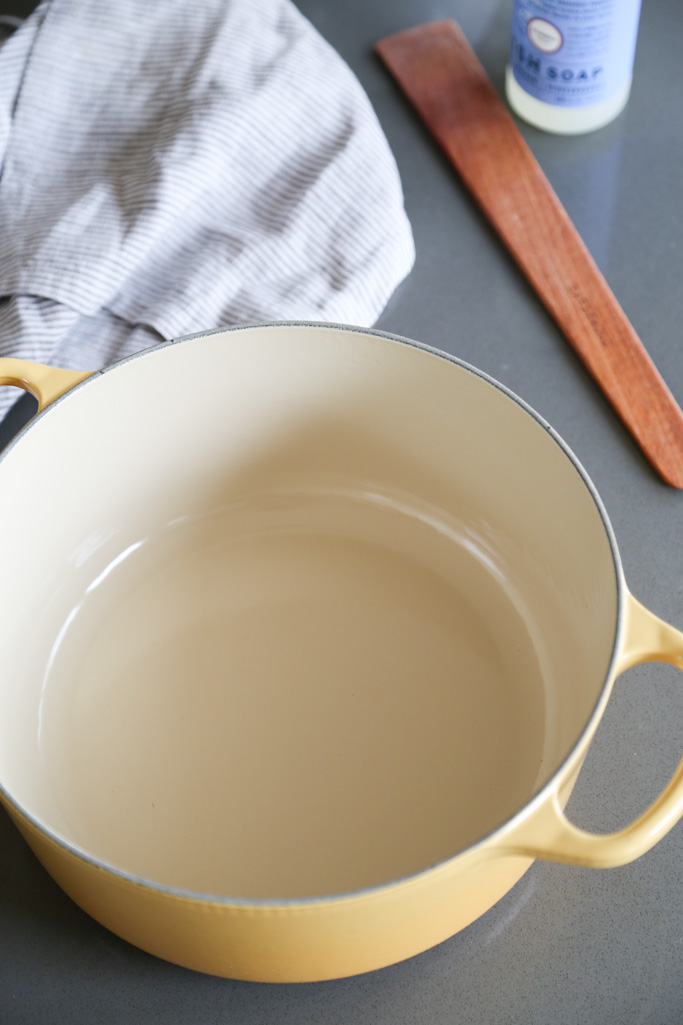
169, 167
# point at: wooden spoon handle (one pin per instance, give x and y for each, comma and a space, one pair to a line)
437, 69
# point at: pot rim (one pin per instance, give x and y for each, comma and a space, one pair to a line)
539, 797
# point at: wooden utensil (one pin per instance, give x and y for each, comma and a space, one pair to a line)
439, 72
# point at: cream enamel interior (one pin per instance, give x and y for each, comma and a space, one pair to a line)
294, 610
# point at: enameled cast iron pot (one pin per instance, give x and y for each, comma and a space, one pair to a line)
305, 632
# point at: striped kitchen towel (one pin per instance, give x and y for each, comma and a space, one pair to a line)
168, 167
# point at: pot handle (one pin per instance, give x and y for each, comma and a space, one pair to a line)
548, 834
45, 383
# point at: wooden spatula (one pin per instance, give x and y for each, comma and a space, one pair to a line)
437, 69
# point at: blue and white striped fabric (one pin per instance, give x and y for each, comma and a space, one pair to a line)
169, 167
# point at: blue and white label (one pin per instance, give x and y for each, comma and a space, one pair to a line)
573, 53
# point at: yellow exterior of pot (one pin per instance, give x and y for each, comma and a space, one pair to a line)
286, 942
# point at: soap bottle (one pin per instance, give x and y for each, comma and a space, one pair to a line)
571, 62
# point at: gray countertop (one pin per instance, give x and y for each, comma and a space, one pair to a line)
567, 945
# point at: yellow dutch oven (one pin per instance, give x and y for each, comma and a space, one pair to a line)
305, 633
